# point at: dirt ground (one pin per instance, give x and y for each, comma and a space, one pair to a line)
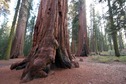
88, 73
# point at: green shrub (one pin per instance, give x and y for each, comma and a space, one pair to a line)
122, 58
123, 52
106, 59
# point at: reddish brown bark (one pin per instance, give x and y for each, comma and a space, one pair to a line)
82, 35
50, 42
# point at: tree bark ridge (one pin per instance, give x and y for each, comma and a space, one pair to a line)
50, 42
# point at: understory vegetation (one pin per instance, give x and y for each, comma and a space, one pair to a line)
108, 59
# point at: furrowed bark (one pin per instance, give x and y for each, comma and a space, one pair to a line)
50, 42
82, 34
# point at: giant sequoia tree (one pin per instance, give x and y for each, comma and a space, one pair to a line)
82, 34
50, 42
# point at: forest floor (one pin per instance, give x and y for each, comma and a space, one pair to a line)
89, 73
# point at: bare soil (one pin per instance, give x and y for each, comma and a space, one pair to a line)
88, 73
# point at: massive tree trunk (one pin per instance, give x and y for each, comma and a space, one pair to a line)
83, 44
50, 42
12, 33
18, 42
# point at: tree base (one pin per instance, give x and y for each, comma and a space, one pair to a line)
41, 66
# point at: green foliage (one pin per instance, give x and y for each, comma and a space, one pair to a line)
28, 44
97, 40
101, 59
75, 25
74, 6
29, 29
74, 14
107, 59
4, 7
116, 12
112, 53
122, 58
3, 39
118, 9
123, 52
115, 22
29, 35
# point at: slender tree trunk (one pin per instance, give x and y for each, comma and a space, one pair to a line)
95, 42
9, 46
110, 42
111, 45
125, 32
114, 33
114, 36
73, 47
18, 42
29, 26
121, 45
28, 16
92, 40
29, 38
105, 43
82, 39
50, 42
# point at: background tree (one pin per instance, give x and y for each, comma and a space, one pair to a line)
18, 42
112, 27
30, 26
121, 44
11, 36
4, 33
110, 42
29, 36
82, 34
4, 6
73, 13
98, 42
116, 11
4, 28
